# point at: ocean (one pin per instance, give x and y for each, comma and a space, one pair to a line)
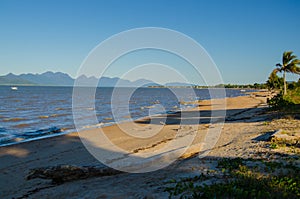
34, 112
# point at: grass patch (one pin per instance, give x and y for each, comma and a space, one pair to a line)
251, 187
230, 164
273, 145
291, 141
272, 166
243, 182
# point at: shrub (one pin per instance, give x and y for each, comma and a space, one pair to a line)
279, 101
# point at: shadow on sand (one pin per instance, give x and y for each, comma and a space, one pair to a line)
18, 160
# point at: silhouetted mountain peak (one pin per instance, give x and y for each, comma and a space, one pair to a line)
62, 79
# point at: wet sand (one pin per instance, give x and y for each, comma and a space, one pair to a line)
138, 139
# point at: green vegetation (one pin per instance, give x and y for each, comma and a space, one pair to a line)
290, 64
239, 86
243, 181
291, 139
274, 82
230, 164
288, 94
293, 94
273, 145
249, 178
279, 102
288, 102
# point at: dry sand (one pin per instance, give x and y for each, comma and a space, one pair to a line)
243, 123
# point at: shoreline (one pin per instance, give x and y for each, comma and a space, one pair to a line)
192, 105
18, 160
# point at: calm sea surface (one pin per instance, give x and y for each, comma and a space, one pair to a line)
35, 112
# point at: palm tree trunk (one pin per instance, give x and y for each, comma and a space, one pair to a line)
284, 82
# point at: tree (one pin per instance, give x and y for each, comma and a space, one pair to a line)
290, 64
274, 82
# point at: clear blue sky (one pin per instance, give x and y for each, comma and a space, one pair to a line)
245, 38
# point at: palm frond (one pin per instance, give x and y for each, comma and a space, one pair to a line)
295, 62
290, 64
293, 67
286, 57
274, 72
298, 71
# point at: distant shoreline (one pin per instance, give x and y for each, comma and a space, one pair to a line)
72, 86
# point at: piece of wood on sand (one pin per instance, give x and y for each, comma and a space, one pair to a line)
65, 173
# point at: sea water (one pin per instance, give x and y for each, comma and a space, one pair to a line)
34, 112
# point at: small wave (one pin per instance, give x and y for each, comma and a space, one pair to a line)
22, 109
93, 126
83, 108
41, 132
61, 108
21, 125
172, 112
59, 115
149, 107
15, 119
2, 129
7, 139
146, 107
66, 129
43, 116
156, 102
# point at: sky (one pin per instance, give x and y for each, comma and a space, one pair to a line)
245, 38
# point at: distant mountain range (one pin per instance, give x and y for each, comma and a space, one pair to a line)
63, 79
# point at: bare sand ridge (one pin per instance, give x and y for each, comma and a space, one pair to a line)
243, 123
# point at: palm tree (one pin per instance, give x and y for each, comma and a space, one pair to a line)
274, 82
289, 64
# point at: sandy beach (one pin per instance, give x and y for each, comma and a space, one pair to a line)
149, 99
244, 121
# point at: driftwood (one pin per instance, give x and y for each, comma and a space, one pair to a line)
65, 173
